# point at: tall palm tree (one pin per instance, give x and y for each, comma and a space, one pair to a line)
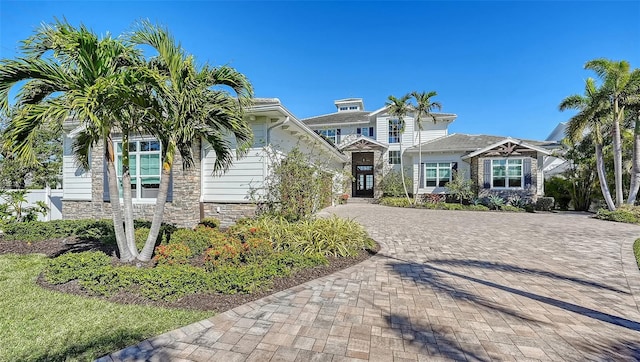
69, 73
398, 108
592, 110
194, 105
632, 100
423, 108
615, 78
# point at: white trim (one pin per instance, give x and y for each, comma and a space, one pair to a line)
360, 138
508, 139
506, 177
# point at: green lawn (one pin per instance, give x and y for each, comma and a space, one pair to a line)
38, 324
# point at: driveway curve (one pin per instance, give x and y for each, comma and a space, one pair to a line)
446, 285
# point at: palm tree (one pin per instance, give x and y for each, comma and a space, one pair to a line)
592, 109
616, 79
193, 105
399, 108
69, 73
633, 104
423, 107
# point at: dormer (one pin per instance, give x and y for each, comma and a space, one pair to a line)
349, 105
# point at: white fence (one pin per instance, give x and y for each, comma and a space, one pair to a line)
51, 198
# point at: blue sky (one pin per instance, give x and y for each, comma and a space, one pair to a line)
503, 67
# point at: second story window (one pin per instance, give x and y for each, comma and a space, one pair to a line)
394, 131
353, 108
366, 131
331, 134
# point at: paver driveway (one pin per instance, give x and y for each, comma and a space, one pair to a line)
446, 285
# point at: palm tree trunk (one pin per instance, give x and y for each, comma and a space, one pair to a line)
603, 178
404, 183
161, 200
415, 197
127, 198
114, 198
635, 173
617, 155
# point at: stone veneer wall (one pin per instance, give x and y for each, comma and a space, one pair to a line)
229, 213
378, 169
183, 211
530, 193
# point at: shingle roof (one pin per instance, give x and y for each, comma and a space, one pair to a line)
338, 118
467, 142
265, 101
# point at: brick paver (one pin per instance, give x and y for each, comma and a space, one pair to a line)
447, 285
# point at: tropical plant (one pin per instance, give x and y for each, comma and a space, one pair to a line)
618, 83
398, 108
193, 103
423, 108
592, 109
70, 73
392, 183
460, 187
495, 202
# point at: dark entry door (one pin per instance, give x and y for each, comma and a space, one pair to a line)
363, 174
364, 181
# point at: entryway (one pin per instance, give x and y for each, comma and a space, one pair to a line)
363, 173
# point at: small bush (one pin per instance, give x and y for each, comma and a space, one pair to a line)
73, 266
495, 202
255, 249
109, 280
434, 198
244, 279
477, 208
197, 240
395, 201
512, 208
226, 254
450, 206
175, 253
545, 203
625, 213
636, 251
210, 222
172, 282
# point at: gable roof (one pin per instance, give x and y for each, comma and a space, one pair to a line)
507, 140
362, 140
338, 118
460, 142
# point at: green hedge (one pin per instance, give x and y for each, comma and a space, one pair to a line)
625, 213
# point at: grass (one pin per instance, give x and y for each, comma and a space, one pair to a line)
42, 325
636, 251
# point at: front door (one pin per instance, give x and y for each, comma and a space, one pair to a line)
363, 173
364, 181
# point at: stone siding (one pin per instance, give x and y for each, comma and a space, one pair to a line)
228, 214
183, 211
529, 193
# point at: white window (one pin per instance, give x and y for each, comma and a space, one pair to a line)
394, 157
394, 131
353, 108
506, 173
366, 131
144, 167
437, 174
331, 134
343, 108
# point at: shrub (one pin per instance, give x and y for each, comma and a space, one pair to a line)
560, 189
197, 240
225, 254
171, 283
636, 251
545, 203
448, 206
391, 183
108, 280
244, 279
460, 187
433, 198
495, 202
511, 208
625, 213
395, 201
477, 208
255, 249
71, 266
175, 253
210, 222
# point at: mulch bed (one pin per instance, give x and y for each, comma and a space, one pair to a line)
208, 302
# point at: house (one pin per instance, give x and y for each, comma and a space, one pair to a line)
371, 140
196, 192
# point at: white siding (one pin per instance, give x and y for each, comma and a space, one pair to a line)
245, 174
76, 181
463, 167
